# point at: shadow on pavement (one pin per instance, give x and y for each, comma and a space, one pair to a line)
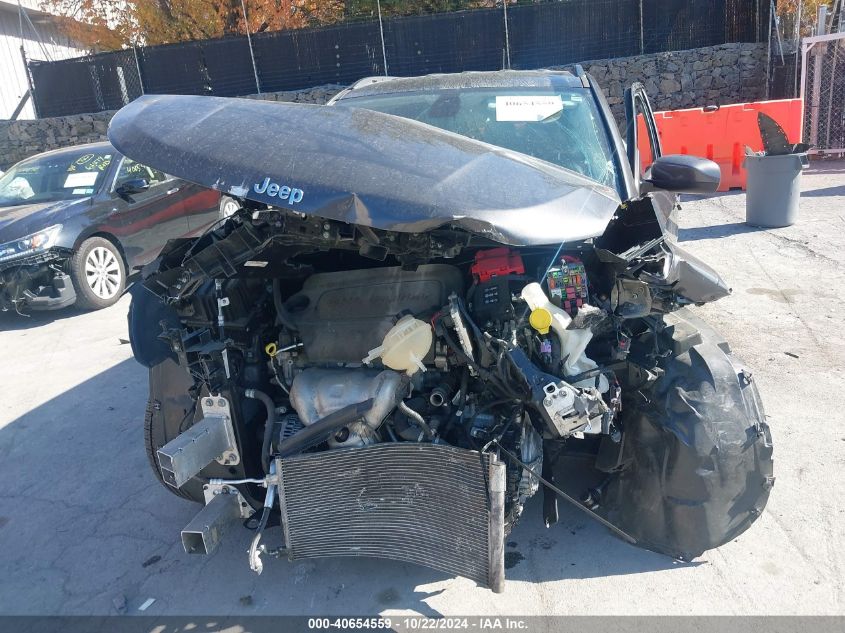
87, 529
11, 321
716, 231
692, 197
823, 192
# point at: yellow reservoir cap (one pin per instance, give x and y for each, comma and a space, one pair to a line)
541, 320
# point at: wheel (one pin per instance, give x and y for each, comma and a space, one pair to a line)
228, 206
169, 411
98, 274
695, 467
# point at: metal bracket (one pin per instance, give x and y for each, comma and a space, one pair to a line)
204, 533
223, 505
218, 407
212, 491
559, 403
210, 439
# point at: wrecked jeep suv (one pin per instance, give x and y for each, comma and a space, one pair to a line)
436, 291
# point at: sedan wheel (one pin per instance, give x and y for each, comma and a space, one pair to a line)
228, 206
98, 273
102, 273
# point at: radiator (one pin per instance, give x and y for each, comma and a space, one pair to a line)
433, 505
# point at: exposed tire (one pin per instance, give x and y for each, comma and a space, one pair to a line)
696, 465
169, 410
228, 206
98, 274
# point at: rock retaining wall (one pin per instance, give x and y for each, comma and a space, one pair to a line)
716, 75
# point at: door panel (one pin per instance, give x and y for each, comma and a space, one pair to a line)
642, 139
145, 221
202, 207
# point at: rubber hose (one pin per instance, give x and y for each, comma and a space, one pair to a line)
269, 425
322, 429
418, 419
283, 317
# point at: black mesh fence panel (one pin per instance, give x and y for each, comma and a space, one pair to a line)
538, 34
228, 67
64, 87
116, 74
557, 33
445, 42
107, 81
174, 69
289, 60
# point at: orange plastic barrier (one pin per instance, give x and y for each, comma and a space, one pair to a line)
721, 134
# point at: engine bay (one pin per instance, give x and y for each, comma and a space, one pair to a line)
331, 337
485, 345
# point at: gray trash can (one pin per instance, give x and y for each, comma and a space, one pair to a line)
773, 189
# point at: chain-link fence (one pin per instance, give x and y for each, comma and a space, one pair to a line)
784, 55
484, 35
823, 90
85, 84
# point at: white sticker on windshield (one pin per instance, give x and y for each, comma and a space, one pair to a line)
81, 179
537, 108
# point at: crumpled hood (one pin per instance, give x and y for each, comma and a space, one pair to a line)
23, 219
362, 167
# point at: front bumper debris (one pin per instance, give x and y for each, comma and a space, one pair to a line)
36, 282
55, 296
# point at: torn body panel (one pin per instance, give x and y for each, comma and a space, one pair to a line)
641, 240
697, 453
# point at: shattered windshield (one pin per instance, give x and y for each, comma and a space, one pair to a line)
561, 127
50, 178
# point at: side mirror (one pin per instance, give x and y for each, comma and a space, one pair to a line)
680, 173
132, 186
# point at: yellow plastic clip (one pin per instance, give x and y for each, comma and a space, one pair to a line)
270, 349
541, 320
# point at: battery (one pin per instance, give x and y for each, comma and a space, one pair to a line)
568, 284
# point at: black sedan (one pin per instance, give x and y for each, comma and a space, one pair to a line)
76, 222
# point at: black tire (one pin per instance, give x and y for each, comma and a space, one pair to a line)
227, 207
169, 411
696, 463
98, 274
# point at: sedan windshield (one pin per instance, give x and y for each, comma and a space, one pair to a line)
63, 176
560, 127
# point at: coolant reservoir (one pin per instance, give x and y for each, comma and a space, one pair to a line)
404, 346
572, 342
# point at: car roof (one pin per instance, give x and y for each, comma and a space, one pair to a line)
98, 146
371, 86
